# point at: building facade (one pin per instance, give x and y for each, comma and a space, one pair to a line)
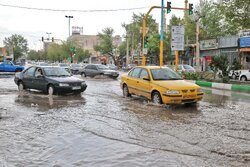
87, 42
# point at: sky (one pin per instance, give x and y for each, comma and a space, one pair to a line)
35, 24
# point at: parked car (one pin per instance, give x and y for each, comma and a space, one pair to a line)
128, 67
51, 80
245, 76
182, 68
9, 66
93, 70
75, 68
160, 84
112, 66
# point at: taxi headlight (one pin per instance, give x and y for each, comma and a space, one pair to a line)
173, 92
63, 84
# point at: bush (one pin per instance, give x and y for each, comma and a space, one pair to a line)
190, 75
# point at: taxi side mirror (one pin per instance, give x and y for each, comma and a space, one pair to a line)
146, 78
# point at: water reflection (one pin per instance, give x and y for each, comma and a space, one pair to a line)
45, 102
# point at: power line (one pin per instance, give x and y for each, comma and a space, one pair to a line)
68, 10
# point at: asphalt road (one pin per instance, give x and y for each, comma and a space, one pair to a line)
101, 128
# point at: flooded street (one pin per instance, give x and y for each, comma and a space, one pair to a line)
101, 128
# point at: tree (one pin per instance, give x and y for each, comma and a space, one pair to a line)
237, 13
36, 55
17, 45
106, 46
134, 31
211, 19
220, 63
60, 52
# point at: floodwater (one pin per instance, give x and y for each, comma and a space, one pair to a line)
101, 128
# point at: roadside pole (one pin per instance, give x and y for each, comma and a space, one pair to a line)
176, 60
161, 35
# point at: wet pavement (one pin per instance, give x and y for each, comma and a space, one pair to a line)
101, 128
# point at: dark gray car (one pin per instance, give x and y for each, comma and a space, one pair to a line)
93, 70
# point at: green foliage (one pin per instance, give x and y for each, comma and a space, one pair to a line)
106, 46
17, 45
220, 64
237, 13
235, 65
60, 52
36, 55
190, 75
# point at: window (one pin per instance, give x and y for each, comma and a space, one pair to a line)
135, 72
30, 72
144, 73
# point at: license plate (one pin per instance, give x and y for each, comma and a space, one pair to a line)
76, 87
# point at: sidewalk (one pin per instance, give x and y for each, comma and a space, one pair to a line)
232, 87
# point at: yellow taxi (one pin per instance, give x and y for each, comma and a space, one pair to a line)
159, 84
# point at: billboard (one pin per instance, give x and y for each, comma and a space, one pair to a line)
77, 30
244, 42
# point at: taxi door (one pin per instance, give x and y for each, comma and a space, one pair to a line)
143, 84
132, 80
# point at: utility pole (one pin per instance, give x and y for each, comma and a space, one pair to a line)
161, 35
197, 55
69, 17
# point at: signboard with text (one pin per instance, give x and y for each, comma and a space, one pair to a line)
177, 42
244, 42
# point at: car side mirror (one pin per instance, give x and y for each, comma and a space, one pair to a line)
146, 78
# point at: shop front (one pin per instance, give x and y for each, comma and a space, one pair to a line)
244, 44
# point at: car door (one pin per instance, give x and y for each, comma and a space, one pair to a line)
28, 77
143, 84
39, 81
91, 70
132, 80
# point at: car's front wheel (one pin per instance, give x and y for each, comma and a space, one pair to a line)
156, 98
20, 86
126, 91
83, 74
243, 78
51, 90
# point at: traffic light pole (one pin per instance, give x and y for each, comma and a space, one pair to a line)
144, 32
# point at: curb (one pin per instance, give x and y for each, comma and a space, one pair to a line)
232, 87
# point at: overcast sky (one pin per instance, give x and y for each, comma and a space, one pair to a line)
33, 24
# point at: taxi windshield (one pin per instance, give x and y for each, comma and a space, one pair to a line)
164, 74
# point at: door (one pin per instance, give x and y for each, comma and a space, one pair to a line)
132, 80
28, 78
143, 86
39, 81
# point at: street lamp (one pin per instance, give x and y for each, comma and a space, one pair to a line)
69, 17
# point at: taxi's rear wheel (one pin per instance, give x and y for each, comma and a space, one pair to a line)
156, 98
126, 91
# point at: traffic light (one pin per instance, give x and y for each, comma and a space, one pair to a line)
52, 39
145, 41
190, 9
168, 7
42, 39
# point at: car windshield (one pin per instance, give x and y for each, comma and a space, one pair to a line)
164, 74
102, 67
56, 72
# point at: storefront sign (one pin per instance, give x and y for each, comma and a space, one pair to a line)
208, 44
244, 33
244, 42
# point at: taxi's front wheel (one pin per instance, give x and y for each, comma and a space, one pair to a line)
156, 98
125, 91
